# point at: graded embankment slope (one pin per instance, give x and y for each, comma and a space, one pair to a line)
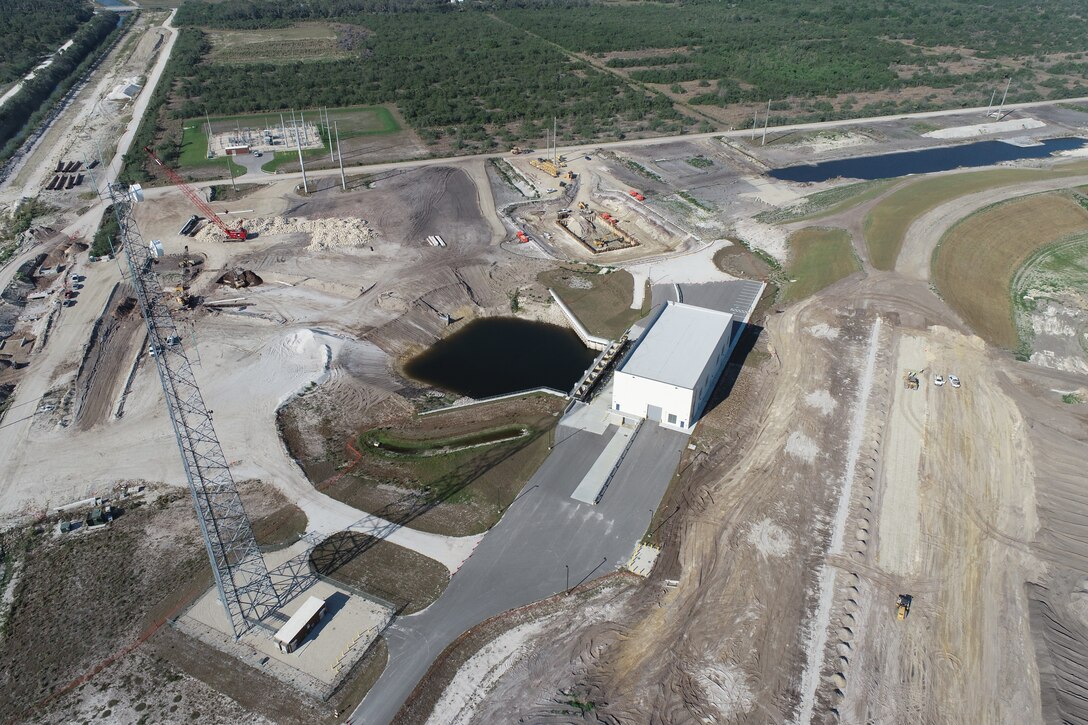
903, 215
977, 259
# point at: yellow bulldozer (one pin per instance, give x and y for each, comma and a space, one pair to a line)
902, 604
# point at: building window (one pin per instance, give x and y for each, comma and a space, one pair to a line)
617, 406
683, 423
672, 419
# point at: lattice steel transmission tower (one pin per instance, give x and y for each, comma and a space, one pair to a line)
245, 587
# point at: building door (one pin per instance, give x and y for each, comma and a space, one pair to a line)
653, 413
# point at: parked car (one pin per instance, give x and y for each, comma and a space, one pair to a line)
954, 381
938, 380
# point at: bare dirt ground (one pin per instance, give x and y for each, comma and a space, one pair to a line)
951, 519
94, 602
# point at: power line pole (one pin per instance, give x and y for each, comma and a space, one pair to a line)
1003, 97
209, 121
298, 145
340, 155
328, 132
230, 168
992, 97
755, 122
766, 122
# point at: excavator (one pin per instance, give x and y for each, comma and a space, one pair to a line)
910, 379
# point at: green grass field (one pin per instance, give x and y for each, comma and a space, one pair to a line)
977, 260
194, 150
351, 122
601, 302
819, 257
886, 225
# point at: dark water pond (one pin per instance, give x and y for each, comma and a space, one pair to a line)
926, 161
497, 355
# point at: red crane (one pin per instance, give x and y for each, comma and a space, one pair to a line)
239, 233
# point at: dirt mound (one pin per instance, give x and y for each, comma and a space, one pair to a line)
238, 278
324, 233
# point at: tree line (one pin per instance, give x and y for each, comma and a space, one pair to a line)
21, 113
31, 29
467, 78
250, 14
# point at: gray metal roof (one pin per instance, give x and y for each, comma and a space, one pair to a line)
677, 346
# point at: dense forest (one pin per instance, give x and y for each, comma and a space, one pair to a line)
31, 29
23, 111
189, 48
488, 71
280, 13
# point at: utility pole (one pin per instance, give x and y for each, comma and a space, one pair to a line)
1003, 97
340, 155
298, 145
992, 97
302, 122
283, 128
555, 145
755, 122
230, 168
328, 132
91, 172
209, 121
766, 122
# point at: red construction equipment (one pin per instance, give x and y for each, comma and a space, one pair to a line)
522, 237
239, 233
637, 195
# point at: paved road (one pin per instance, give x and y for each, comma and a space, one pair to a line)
524, 558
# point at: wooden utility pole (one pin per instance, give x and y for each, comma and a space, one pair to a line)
340, 155
766, 122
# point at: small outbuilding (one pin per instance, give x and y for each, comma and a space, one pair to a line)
669, 374
300, 624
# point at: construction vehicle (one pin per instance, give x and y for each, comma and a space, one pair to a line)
548, 167
522, 237
181, 295
516, 151
910, 379
637, 195
239, 233
569, 176
902, 603
582, 206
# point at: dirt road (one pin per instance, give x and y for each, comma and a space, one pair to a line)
792, 548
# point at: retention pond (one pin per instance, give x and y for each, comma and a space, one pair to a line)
497, 355
926, 161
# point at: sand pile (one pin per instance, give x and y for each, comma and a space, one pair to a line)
324, 233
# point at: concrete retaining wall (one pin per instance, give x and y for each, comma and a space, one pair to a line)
591, 341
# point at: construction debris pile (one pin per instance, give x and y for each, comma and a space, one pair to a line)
324, 233
239, 278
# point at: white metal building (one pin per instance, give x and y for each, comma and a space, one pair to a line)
300, 624
672, 370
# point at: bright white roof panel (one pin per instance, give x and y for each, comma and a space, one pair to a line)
299, 619
677, 346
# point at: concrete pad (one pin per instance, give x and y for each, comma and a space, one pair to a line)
594, 416
601, 471
643, 560
339, 640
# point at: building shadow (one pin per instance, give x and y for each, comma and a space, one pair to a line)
749, 336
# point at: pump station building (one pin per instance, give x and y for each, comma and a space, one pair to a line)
669, 374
